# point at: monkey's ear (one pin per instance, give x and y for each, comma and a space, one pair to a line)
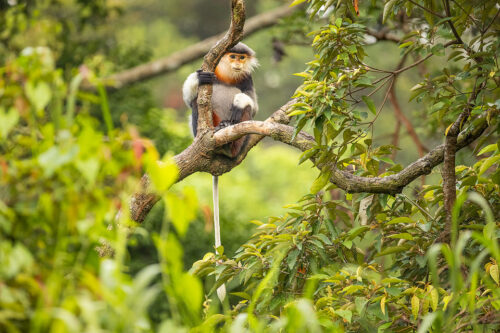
205, 77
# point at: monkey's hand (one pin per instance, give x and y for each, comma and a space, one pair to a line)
224, 123
205, 77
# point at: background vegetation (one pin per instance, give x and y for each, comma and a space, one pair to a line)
299, 255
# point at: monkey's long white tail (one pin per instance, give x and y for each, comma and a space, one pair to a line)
221, 291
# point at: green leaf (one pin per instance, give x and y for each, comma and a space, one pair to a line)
38, 95
317, 243
89, 169
324, 239
55, 157
162, 173
382, 304
352, 289
438, 49
242, 295
347, 243
402, 219
446, 300
297, 2
494, 273
383, 327
346, 314
389, 5
434, 298
403, 235
426, 323
298, 112
392, 249
360, 304
356, 231
320, 182
181, 209
437, 107
405, 44
191, 290
415, 306
369, 102
488, 149
488, 163
307, 155
7, 121
291, 259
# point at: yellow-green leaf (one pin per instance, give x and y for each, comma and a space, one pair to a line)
369, 102
402, 219
415, 306
425, 306
488, 163
447, 129
403, 235
389, 5
434, 298
320, 182
488, 149
392, 249
446, 300
494, 273
297, 112
7, 121
352, 289
297, 2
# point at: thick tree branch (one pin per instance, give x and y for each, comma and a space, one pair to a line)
200, 157
448, 171
191, 53
277, 131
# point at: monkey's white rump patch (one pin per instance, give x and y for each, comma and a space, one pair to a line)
242, 100
190, 88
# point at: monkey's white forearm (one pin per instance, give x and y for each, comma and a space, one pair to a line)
190, 89
242, 100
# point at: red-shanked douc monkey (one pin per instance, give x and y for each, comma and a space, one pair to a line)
233, 101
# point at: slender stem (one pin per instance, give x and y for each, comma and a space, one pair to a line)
450, 23
491, 23
426, 9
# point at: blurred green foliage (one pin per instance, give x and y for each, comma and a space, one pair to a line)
72, 261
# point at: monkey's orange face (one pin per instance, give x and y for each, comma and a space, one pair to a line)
237, 61
233, 67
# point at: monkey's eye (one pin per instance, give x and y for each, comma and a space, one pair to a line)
232, 56
242, 57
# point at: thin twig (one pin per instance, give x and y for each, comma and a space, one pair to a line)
466, 13
426, 9
446, 4
491, 23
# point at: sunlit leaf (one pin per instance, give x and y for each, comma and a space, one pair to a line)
369, 102
7, 121
415, 306
346, 314
494, 273
297, 2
